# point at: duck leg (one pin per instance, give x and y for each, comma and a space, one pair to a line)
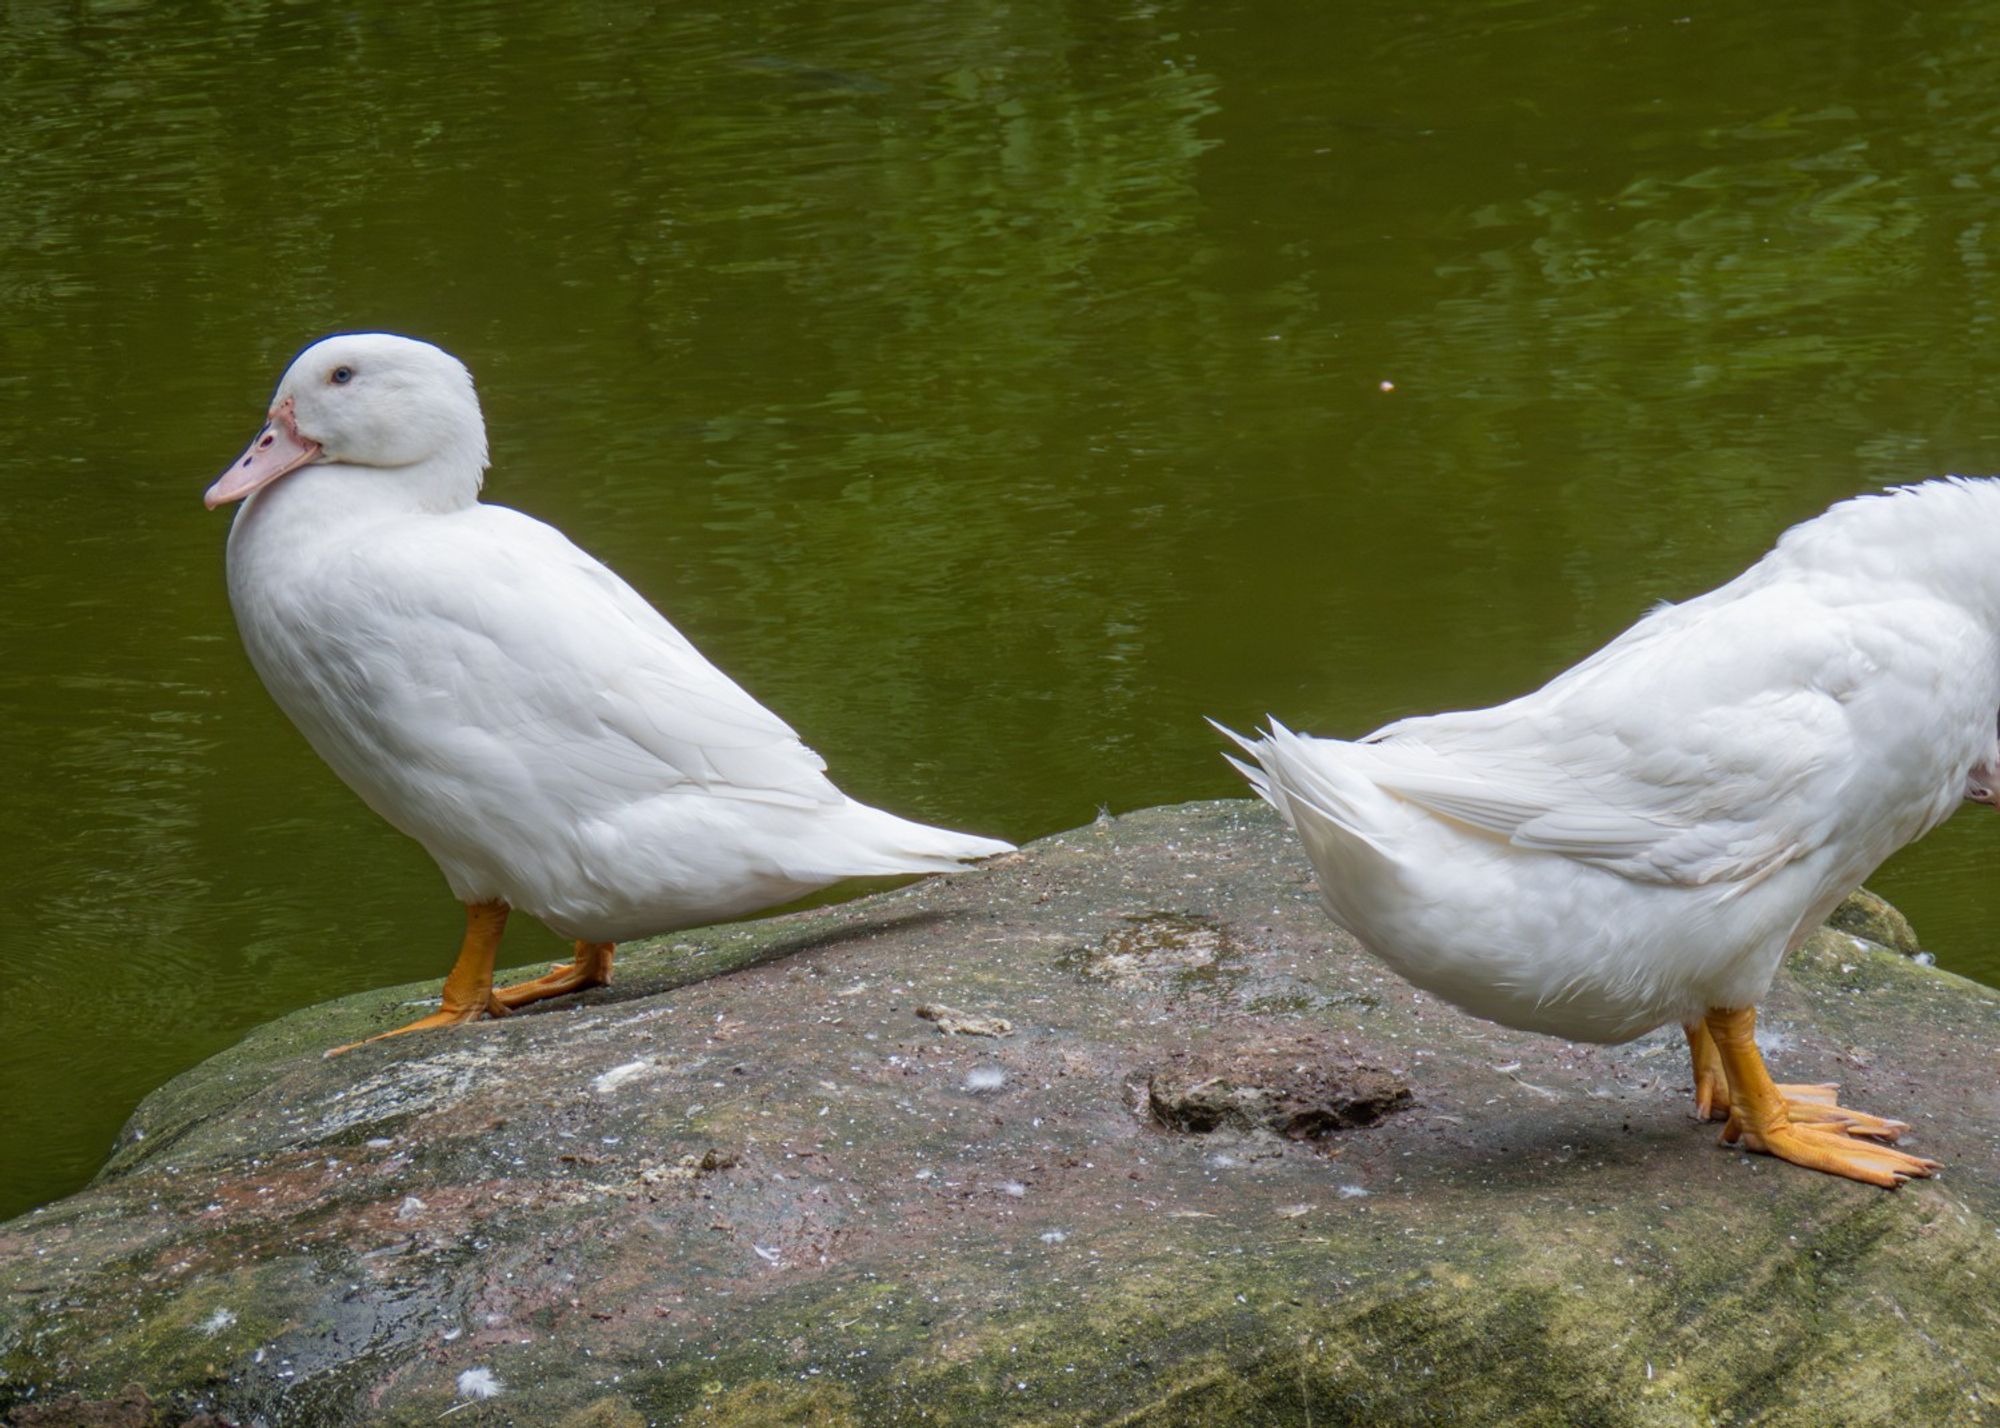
591, 968
1820, 1135
468, 988
1711, 1086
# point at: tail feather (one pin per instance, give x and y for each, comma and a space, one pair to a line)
1252, 774
858, 840
1323, 801
1256, 775
1308, 773
1326, 801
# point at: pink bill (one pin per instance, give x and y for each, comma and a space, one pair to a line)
278, 448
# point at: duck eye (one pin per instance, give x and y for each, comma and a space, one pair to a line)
343, 375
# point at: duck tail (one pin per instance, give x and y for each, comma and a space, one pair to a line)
871, 842
1326, 802
1295, 774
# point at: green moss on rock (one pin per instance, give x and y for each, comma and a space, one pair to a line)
1863, 914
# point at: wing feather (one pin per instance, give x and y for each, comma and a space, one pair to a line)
1665, 757
516, 635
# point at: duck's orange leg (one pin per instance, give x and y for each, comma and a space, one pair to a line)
1711, 1087
1818, 1134
468, 988
591, 968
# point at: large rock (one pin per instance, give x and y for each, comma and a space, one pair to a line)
752, 1184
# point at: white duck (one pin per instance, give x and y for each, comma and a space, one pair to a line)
505, 699
1641, 840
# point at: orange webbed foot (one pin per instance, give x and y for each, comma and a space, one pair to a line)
1805, 1124
468, 990
591, 968
1816, 1106
1835, 1151
444, 1016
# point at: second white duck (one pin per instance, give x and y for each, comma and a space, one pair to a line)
1641, 840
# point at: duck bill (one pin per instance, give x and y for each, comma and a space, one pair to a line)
278, 448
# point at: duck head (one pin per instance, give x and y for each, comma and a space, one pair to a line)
370, 400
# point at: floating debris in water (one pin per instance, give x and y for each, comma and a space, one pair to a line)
985, 1078
1353, 1192
218, 1321
410, 1208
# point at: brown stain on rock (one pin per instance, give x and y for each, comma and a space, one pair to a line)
1294, 1091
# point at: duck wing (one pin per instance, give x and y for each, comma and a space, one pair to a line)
486, 635
1706, 745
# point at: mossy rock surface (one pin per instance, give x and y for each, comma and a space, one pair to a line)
1874, 919
750, 1185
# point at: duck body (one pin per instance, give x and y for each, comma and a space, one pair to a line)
553, 742
547, 736
1645, 836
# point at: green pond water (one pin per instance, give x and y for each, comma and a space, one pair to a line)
994, 389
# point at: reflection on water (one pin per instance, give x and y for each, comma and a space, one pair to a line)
994, 389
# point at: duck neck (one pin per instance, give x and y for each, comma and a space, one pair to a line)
334, 494
308, 508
